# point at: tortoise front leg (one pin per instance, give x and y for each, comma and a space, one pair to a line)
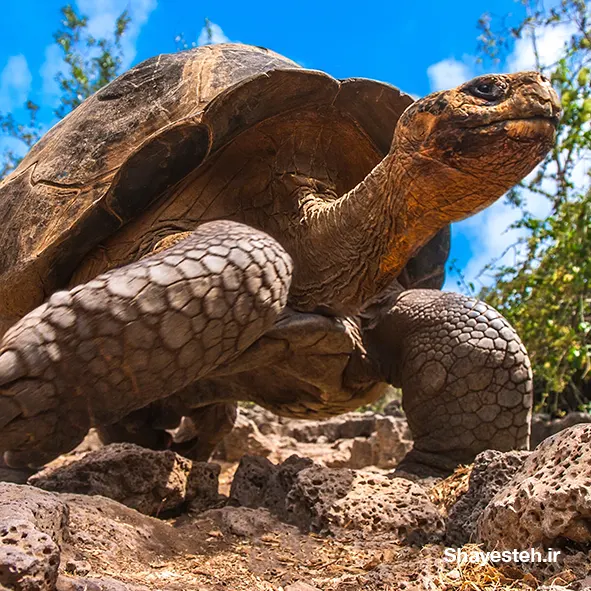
140, 333
465, 376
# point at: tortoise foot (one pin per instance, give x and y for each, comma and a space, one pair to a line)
165, 424
425, 465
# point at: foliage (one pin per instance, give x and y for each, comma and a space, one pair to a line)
392, 395
89, 64
26, 133
546, 295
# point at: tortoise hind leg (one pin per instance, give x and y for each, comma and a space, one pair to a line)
134, 335
465, 376
203, 428
147, 427
197, 431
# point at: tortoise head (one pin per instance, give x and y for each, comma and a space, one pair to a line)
474, 142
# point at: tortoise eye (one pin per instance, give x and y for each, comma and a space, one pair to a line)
489, 91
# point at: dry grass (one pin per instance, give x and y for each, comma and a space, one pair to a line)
446, 492
485, 576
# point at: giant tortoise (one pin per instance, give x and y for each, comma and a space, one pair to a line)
221, 224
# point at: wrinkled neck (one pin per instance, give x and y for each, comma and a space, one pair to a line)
354, 246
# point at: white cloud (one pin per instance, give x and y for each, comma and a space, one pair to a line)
550, 42
217, 35
15, 83
102, 15
492, 238
449, 73
52, 65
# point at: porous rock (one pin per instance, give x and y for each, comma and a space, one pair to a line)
364, 501
44, 535
32, 527
391, 441
260, 483
244, 438
351, 453
544, 426
149, 481
268, 422
329, 499
492, 470
548, 499
385, 448
346, 426
394, 409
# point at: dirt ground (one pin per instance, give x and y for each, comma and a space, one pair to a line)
234, 547
242, 549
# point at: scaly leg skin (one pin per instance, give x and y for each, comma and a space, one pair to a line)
134, 335
465, 376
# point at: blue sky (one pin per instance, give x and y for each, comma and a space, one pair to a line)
417, 46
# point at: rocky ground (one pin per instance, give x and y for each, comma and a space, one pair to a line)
297, 506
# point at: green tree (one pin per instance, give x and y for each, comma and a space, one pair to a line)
547, 294
89, 64
25, 133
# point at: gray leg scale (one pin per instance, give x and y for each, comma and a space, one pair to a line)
102, 350
465, 376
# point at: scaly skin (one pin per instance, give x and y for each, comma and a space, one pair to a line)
465, 376
134, 335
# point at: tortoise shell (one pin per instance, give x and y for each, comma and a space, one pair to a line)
101, 175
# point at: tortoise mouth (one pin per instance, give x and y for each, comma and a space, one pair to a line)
553, 119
